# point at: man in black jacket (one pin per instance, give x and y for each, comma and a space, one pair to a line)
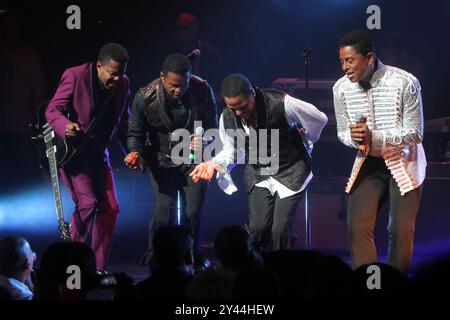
172, 102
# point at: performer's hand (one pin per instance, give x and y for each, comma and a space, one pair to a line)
361, 133
197, 143
205, 171
72, 129
133, 160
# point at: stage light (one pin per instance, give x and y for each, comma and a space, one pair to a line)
30, 210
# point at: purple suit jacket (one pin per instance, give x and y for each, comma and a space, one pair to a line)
74, 94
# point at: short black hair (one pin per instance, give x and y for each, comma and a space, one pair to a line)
177, 63
113, 51
236, 84
55, 261
359, 39
235, 248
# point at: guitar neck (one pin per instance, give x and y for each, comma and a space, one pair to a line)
49, 137
55, 184
361, 156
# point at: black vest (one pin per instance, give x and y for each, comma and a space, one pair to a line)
294, 160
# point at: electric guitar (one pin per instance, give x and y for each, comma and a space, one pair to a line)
361, 156
51, 151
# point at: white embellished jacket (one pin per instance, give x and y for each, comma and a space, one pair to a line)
393, 107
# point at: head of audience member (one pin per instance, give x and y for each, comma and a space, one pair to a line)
67, 272
171, 267
330, 279
294, 268
378, 281
431, 279
235, 249
16, 258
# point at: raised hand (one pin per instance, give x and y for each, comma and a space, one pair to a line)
361, 133
205, 171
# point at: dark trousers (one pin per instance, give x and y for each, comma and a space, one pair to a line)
271, 219
373, 185
166, 183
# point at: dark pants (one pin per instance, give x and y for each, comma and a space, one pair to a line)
96, 207
371, 188
166, 183
271, 219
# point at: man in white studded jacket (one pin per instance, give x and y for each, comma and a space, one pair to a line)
379, 112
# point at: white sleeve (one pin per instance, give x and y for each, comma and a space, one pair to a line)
307, 115
342, 122
225, 158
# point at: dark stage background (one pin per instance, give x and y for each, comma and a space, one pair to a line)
263, 40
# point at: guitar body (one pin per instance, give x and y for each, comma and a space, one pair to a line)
361, 156
64, 151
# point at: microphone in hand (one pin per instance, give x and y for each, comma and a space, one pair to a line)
198, 134
360, 118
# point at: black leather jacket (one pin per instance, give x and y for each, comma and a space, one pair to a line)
150, 124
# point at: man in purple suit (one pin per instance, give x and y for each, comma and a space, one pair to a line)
82, 94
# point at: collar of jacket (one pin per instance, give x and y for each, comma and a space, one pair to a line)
378, 74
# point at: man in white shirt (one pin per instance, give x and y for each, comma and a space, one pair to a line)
256, 123
16, 266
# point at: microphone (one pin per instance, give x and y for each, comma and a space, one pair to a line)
359, 118
195, 53
198, 133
